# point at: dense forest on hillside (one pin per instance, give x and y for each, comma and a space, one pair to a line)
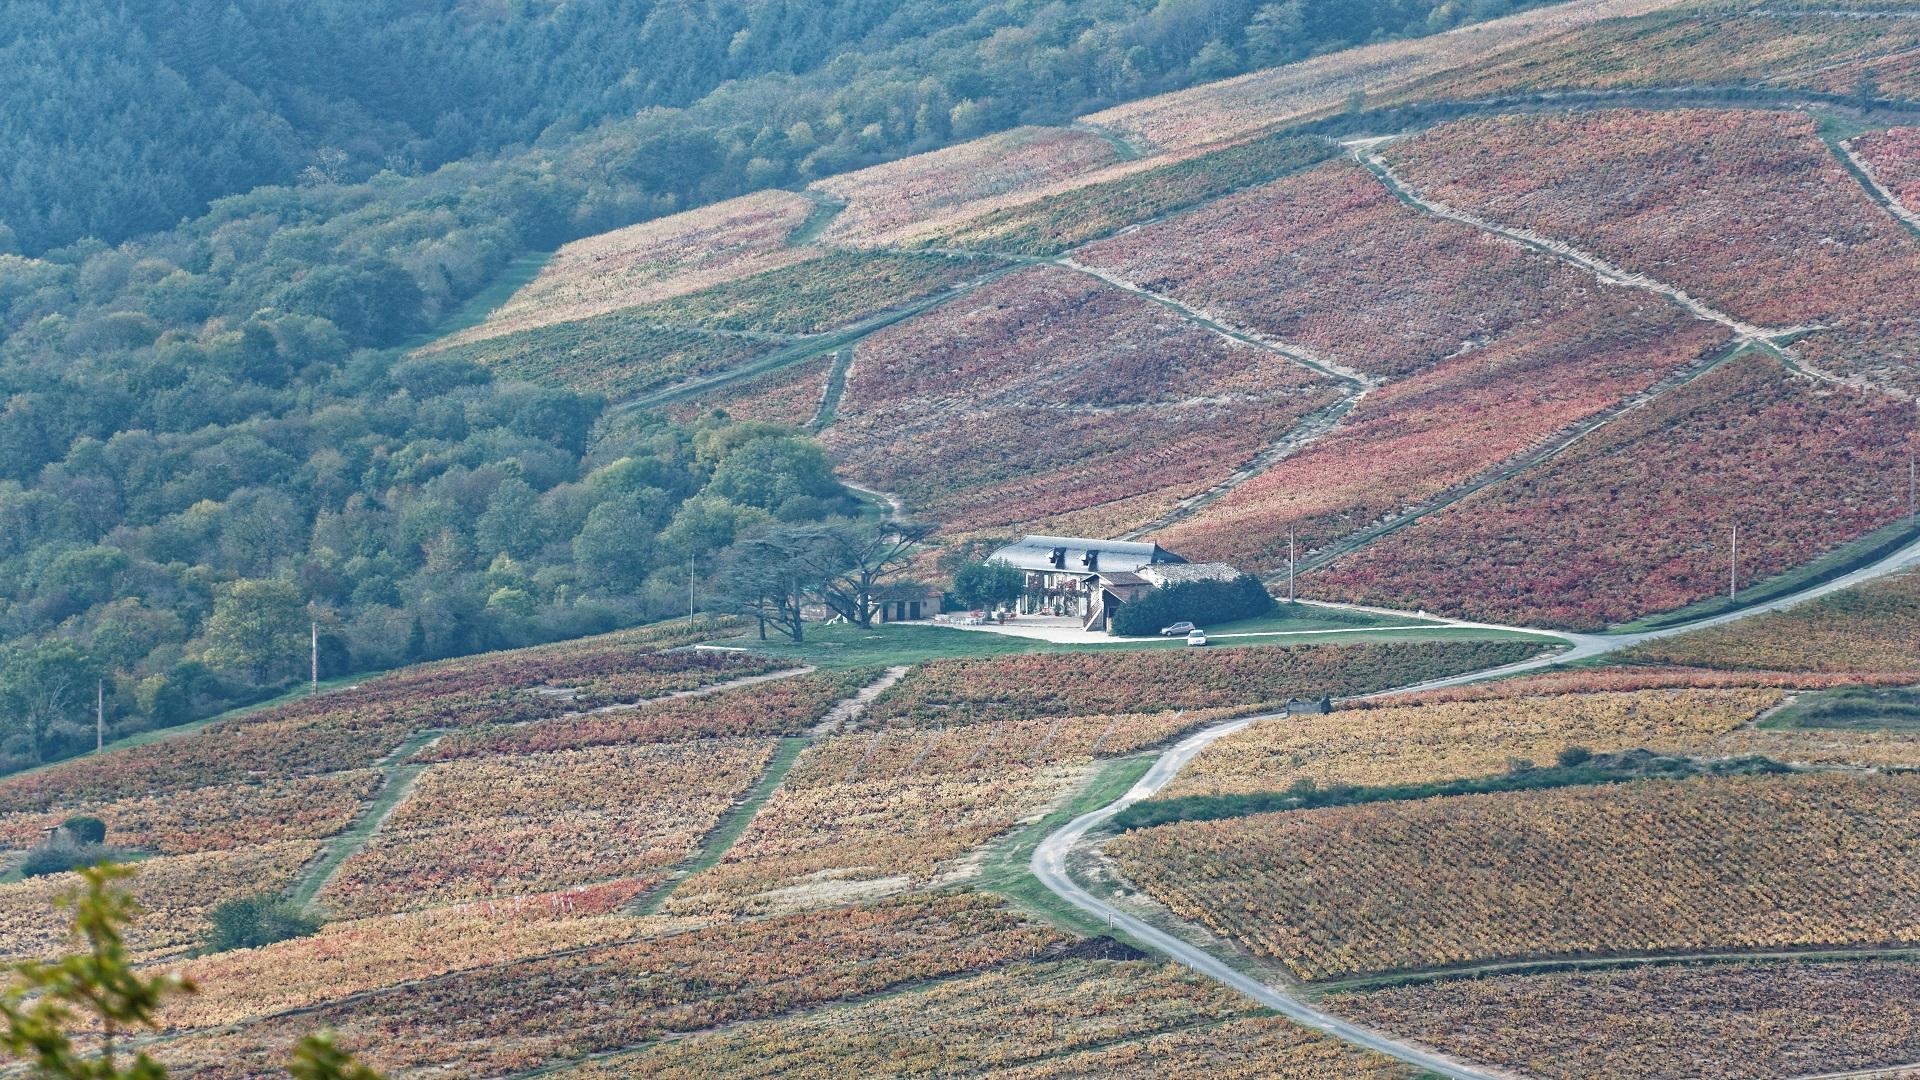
140, 114
211, 431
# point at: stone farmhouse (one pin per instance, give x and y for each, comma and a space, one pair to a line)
1089, 579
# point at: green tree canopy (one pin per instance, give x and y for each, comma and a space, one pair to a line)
985, 583
258, 627
43, 686
768, 472
102, 993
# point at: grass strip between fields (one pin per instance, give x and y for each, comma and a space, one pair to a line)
1005, 871
724, 835
397, 777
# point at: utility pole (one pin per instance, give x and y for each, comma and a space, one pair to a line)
1913, 485
100, 714
690, 594
1290, 563
1733, 566
313, 653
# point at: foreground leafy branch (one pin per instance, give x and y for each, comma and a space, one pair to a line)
100, 991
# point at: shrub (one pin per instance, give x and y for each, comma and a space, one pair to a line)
85, 830
59, 858
1198, 602
983, 584
1574, 755
252, 921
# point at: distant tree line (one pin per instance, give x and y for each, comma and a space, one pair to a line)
126, 118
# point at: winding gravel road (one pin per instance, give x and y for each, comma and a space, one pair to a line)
1049, 862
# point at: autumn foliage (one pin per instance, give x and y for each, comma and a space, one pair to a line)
1650, 867
1638, 517
1050, 392
1738, 1021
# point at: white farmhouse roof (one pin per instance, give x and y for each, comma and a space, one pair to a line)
1078, 555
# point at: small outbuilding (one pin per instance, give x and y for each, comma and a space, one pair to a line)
904, 601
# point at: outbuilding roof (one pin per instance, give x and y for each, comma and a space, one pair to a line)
903, 590
1079, 555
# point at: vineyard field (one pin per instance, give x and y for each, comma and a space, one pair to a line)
357, 727
1263, 100
356, 956
1651, 867
176, 892
790, 396
654, 260
1417, 744
639, 349
986, 1023
944, 693
1869, 628
1774, 46
896, 202
1893, 158
871, 812
825, 294
1636, 519
502, 1019
788, 706
1056, 223
1748, 210
1259, 1048
1733, 1021
1505, 344
1320, 261
619, 354
1624, 677
1870, 749
215, 818
1419, 438
507, 825
992, 410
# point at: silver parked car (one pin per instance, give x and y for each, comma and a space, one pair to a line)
1177, 629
